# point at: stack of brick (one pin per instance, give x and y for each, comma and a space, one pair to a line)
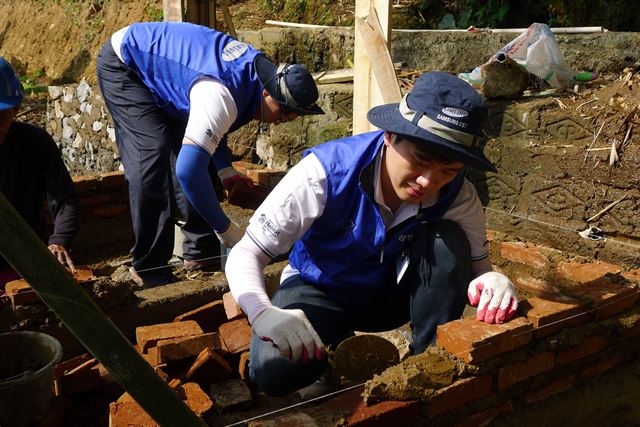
576, 320
20, 293
203, 355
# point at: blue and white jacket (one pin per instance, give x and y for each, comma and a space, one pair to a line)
362, 253
170, 57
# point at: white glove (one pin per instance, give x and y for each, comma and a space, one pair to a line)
231, 235
495, 296
290, 332
230, 176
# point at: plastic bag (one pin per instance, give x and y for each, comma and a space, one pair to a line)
537, 51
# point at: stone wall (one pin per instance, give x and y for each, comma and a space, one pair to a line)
80, 123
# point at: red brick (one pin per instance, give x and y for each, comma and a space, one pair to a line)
112, 179
459, 393
534, 365
231, 307
589, 345
69, 364
548, 317
209, 316
525, 253
483, 418
602, 367
82, 381
585, 272
83, 273
243, 366
84, 183
195, 398
129, 414
474, 341
236, 335
148, 336
536, 286
386, 413
265, 177
548, 391
184, 347
242, 166
20, 293
608, 298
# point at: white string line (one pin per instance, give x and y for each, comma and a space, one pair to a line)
527, 218
489, 343
295, 405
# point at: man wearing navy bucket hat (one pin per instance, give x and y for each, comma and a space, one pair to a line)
384, 229
31, 169
174, 91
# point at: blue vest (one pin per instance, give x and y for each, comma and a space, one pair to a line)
347, 252
170, 57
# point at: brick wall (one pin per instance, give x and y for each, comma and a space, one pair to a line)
105, 221
577, 320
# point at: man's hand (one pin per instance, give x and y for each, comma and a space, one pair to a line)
495, 296
61, 253
290, 332
231, 235
230, 177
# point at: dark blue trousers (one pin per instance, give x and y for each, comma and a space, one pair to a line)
433, 291
149, 142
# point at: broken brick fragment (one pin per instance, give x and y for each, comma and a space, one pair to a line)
209, 316
236, 335
231, 307
196, 399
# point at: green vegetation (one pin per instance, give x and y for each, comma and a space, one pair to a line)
154, 13
29, 83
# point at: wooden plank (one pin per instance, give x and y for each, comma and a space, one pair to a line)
172, 10
379, 58
334, 76
366, 92
227, 19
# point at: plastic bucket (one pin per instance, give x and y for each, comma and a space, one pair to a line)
27, 360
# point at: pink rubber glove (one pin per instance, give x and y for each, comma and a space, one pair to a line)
495, 296
230, 176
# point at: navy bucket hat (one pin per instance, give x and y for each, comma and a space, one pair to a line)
442, 112
290, 85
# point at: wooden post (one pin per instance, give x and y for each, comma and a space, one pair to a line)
29, 256
375, 15
172, 10
227, 19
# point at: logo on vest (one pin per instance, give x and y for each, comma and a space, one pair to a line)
234, 50
268, 227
